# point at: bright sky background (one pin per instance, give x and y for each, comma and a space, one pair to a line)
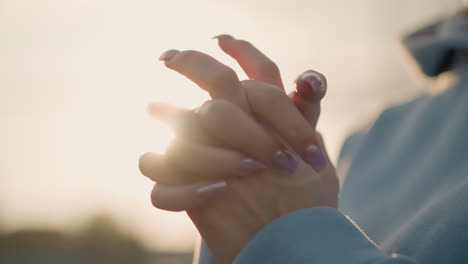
75, 78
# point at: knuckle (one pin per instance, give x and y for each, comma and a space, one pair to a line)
155, 201
159, 201
173, 157
151, 167
271, 96
144, 164
216, 114
214, 110
171, 149
160, 176
206, 108
222, 78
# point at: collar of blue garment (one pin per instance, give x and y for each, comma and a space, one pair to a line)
442, 46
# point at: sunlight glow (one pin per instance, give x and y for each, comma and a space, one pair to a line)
79, 74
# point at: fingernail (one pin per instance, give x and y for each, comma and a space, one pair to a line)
146, 163
249, 165
212, 189
285, 160
311, 86
223, 37
168, 55
315, 157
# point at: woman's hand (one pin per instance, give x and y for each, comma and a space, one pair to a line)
250, 202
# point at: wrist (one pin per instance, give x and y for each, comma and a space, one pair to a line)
222, 236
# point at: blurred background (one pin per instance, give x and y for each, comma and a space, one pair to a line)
76, 76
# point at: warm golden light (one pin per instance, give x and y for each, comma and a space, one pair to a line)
77, 75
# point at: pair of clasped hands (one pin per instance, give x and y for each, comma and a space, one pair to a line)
248, 156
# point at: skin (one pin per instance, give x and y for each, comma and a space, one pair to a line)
255, 131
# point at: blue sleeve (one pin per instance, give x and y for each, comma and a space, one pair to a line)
204, 256
314, 235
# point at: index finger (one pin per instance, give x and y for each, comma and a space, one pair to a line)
208, 73
255, 64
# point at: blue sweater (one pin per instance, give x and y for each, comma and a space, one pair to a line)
407, 186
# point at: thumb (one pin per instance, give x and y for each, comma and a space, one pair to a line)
310, 88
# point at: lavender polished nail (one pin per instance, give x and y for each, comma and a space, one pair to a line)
168, 55
212, 189
315, 157
286, 160
311, 86
249, 165
223, 37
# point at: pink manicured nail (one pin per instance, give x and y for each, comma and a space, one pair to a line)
315, 157
212, 189
168, 55
311, 86
223, 37
286, 160
249, 165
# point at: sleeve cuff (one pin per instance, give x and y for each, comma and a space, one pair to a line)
313, 235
